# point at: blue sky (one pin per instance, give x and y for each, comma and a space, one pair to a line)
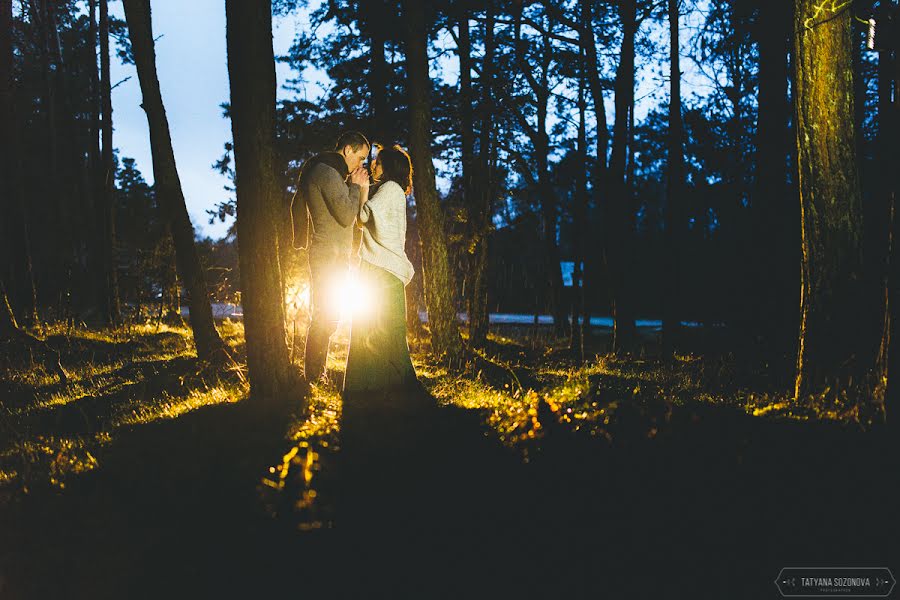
193, 74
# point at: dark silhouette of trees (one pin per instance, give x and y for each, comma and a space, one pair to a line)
535, 69
889, 113
619, 230
580, 318
775, 214
167, 184
251, 71
109, 290
674, 213
16, 252
477, 184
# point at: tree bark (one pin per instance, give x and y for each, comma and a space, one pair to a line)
620, 218
438, 278
838, 340
168, 185
109, 301
251, 71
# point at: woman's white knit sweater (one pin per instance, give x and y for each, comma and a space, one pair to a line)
383, 220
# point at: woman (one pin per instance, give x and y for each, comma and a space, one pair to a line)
378, 358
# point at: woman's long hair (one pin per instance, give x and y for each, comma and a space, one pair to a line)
396, 166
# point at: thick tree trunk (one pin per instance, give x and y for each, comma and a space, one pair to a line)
775, 218
620, 216
251, 70
168, 185
838, 339
109, 301
438, 278
671, 321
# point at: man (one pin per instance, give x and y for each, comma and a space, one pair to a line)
323, 212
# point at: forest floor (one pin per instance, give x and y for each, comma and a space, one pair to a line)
143, 475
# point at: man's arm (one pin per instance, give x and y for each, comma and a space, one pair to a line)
341, 200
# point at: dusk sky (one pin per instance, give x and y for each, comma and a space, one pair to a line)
193, 73
192, 66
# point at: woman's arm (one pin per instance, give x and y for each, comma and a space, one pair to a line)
373, 203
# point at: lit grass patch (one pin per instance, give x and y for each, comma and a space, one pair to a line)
170, 407
232, 332
512, 415
323, 422
54, 457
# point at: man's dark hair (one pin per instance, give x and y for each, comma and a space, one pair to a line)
397, 167
354, 139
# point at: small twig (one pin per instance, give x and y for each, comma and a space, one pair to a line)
120, 83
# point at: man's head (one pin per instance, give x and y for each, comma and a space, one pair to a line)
354, 147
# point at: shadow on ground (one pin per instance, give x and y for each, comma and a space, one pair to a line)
670, 500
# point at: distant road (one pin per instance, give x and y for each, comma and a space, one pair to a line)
234, 312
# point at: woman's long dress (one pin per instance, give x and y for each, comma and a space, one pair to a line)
378, 358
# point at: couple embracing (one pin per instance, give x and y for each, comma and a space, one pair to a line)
333, 196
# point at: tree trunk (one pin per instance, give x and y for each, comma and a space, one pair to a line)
620, 218
168, 185
674, 219
94, 183
482, 201
109, 301
595, 87
7, 126
774, 217
548, 200
580, 217
891, 334
251, 71
438, 278
476, 176
838, 339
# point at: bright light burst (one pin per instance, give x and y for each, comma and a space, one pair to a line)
351, 295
